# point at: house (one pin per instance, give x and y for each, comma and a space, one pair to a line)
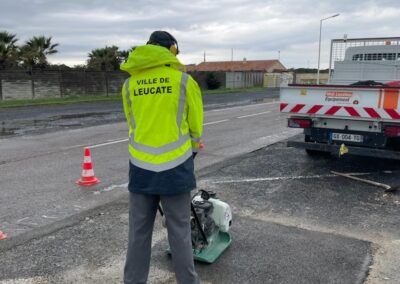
265, 66
235, 74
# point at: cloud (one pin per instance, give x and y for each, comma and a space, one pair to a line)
257, 29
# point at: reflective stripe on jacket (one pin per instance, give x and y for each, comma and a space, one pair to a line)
163, 108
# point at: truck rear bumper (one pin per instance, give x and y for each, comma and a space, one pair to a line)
352, 150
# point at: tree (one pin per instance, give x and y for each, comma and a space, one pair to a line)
80, 67
58, 67
103, 59
8, 50
124, 54
212, 81
35, 51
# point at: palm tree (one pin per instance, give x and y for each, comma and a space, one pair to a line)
104, 59
8, 50
35, 51
124, 54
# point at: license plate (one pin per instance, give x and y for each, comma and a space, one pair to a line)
347, 137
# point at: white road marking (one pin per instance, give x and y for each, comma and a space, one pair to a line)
124, 185
49, 217
215, 122
28, 224
72, 147
279, 178
107, 143
255, 105
20, 220
208, 123
254, 114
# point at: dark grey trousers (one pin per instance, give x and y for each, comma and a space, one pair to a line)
142, 212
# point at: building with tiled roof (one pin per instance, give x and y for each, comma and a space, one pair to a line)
266, 66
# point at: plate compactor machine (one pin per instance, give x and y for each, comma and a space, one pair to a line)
210, 221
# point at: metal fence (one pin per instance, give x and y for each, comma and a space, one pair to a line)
33, 84
244, 79
339, 47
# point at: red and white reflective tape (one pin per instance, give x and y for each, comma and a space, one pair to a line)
88, 177
87, 173
87, 167
347, 111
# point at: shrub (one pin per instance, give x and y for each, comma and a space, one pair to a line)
212, 81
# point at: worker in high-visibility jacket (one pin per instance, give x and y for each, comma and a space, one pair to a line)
164, 110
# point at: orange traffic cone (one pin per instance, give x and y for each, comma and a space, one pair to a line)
88, 177
2, 236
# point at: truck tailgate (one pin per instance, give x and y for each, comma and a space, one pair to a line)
370, 103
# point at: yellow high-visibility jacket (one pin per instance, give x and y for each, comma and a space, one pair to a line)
163, 107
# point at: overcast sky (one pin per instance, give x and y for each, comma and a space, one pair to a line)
254, 29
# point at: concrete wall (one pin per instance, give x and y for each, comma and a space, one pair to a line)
276, 80
310, 78
12, 89
45, 84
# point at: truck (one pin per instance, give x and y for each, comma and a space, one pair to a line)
358, 112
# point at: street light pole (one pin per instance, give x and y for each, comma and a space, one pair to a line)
319, 46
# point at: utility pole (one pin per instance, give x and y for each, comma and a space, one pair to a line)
232, 54
319, 45
204, 60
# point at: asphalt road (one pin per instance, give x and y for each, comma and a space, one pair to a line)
294, 222
44, 119
38, 172
284, 185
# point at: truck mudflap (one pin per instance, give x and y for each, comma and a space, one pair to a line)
350, 150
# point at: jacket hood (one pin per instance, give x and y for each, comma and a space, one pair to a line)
149, 56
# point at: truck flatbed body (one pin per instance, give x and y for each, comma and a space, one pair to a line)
374, 103
363, 120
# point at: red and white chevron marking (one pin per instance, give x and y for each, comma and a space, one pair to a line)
347, 111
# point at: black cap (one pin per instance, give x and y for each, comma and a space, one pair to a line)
162, 38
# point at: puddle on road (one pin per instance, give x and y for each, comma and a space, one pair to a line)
16, 127
77, 115
7, 132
